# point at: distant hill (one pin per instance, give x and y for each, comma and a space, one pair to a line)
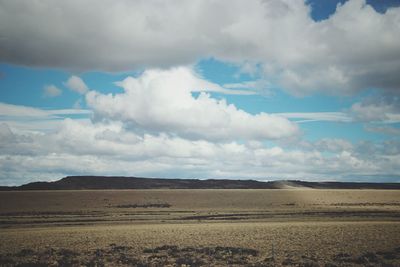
110, 182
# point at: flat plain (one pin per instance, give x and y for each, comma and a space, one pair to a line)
200, 227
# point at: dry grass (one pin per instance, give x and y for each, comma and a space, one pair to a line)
200, 228
188, 199
296, 242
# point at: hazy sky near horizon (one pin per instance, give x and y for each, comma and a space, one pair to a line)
272, 89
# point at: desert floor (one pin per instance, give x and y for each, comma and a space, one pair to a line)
293, 227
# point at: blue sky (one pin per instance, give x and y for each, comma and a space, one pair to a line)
262, 91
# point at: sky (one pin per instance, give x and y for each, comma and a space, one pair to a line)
264, 90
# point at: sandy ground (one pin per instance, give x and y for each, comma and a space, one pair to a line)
201, 228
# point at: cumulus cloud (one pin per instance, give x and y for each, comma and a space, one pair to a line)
51, 91
76, 84
163, 101
372, 150
6, 136
333, 145
108, 148
383, 129
293, 51
384, 108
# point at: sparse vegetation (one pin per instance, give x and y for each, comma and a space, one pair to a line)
200, 228
146, 205
172, 255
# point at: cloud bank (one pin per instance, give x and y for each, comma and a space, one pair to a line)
292, 50
84, 147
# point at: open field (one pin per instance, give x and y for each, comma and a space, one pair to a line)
200, 227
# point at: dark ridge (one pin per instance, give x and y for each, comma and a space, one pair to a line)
101, 182
110, 182
8, 188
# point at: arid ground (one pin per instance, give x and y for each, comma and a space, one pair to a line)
164, 227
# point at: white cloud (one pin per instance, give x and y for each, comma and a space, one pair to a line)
370, 110
383, 129
162, 101
333, 145
260, 86
109, 149
316, 116
10, 110
51, 91
372, 150
76, 84
65, 112
23, 118
19, 111
294, 52
6, 135
376, 111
